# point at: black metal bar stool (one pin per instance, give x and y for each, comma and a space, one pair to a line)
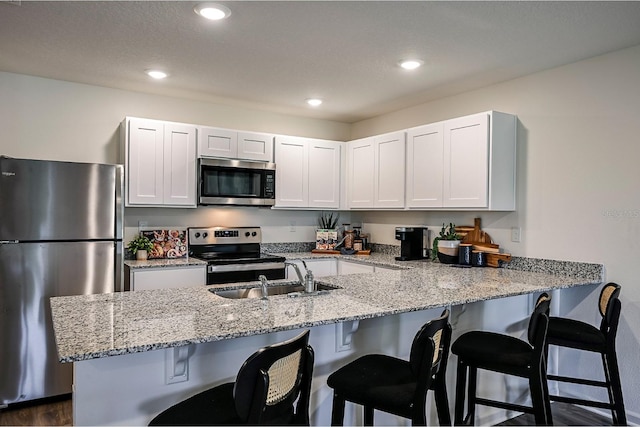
508, 355
398, 386
265, 391
583, 336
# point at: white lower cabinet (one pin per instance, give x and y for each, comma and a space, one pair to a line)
140, 279
346, 267
319, 267
308, 173
160, 163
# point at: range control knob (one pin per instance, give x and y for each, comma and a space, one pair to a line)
204, 235
254, 234
247, 234
197, 235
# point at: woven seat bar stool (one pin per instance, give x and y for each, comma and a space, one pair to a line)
507, 355
265, 391
583, 336
397, 386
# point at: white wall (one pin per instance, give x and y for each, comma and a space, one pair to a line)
56, 120
578, 181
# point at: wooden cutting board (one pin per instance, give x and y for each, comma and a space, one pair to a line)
474, 234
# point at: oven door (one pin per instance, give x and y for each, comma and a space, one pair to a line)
231, 273
235, 182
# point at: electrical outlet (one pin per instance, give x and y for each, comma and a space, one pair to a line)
292, 226
142, 225
515, 234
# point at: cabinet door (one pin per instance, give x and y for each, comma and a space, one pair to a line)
292, 172
390, 170
346, 267
425, 166
360, 173
466, 161
214, 142
165, 278
145, 166
179, 165
324, 174
255, 146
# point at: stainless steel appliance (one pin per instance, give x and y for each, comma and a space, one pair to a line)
233, 254
60, 234
236, 182
412, 243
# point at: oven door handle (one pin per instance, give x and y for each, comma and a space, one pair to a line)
225, 268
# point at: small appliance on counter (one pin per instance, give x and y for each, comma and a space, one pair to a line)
412, 243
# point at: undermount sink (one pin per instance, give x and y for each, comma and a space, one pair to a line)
287, 288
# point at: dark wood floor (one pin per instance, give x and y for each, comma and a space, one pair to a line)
60, 414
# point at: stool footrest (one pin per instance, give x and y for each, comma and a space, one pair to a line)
583, 402
582, 381
504, 405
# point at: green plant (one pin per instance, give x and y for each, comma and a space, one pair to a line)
140, 243
447, 232
327, 221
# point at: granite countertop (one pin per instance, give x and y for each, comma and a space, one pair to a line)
103, 325
165, 262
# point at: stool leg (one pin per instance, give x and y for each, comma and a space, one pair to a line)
537, 383
442, 401
337, 411
461, 385
612, 375
471, 397
368, 416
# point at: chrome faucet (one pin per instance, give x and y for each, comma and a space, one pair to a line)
308, 282
297, 269
263, 283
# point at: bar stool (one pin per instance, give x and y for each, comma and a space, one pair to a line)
265, 391
508, 355
583, 336
398, 386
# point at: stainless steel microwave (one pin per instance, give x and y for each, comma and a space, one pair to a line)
236, 182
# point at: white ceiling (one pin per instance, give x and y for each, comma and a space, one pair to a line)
273, 55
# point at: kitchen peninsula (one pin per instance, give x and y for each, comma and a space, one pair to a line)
137, 353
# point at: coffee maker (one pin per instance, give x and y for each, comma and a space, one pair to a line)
411, 243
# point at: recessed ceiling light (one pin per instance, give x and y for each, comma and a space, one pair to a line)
156, 74
314, 102
411, 64
212, 11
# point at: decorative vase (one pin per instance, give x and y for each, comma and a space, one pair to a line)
141, 255
448, 251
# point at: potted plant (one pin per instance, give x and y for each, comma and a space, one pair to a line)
140, 247
445, 246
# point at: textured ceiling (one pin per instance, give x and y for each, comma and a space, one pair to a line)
273, 55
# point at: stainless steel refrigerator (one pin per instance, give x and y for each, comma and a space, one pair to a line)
60, 234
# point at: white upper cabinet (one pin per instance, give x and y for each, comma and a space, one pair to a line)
255, 146
425, 162
390, 170
228, 143
463, 163
214, 142
160, 163
307, 172
376, 171
466, 159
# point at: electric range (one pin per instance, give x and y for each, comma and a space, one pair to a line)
233, 254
